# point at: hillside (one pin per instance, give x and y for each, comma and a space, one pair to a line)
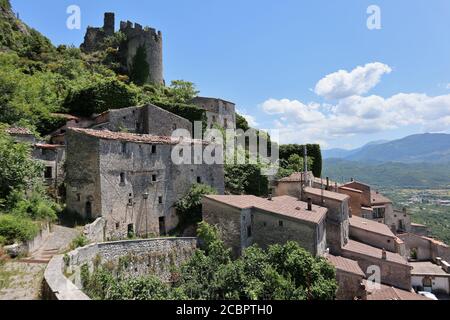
412, 149
401, 175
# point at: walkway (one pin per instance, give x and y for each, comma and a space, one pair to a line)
21, 280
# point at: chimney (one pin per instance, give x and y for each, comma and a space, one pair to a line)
328, 184
352, 180
309, 204
270, 197
384, 255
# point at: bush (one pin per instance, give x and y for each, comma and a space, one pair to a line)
189, 208
17, 229
2, 241
36, 206
79, 242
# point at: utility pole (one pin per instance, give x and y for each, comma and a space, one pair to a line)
145, 196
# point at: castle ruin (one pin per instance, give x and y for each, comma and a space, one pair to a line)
146, 39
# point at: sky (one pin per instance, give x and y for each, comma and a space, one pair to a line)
311, 69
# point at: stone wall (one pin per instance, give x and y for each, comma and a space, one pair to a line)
62, 278
96, 231
218, 111
425, 248
394, 274
374, 239
350, 286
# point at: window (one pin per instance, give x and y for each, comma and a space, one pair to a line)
174, 126
281, 223
154, 178
264, 224
181, 153
160, 200
117, 225
153, 149
199, 180
124, 147
138, 126
78, 197
122, 178
214, 119
48, 174
378, 213
249, 232
225, 123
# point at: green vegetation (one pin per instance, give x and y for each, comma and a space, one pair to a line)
246, 179
140, 67
283, 272
189, 208
314, 153
79, 242
22, 195
14, 228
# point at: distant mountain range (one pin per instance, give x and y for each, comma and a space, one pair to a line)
429, 148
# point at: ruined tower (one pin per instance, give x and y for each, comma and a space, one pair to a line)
145, 41
108, 24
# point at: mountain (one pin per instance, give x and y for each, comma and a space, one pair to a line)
389, 174
345, 153
412, 149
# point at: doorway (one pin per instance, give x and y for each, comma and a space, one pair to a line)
88, 210
162, 226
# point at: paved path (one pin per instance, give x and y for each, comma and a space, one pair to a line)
22, 280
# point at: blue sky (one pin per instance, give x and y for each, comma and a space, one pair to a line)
273, 57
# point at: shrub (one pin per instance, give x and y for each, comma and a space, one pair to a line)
14, 228
189, 207
79, 242
2, 241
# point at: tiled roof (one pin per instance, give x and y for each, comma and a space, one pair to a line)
136, 138
19, 131
350, 189
284, 205
378, 198
344, 264
427, 268
390, 293
370, 226
327, 194
66, 116
363, 249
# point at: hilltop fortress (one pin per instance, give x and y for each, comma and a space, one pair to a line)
136, 37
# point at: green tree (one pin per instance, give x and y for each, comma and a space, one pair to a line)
140, 69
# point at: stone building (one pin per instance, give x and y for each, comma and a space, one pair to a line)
147, 119
350, 278
53, 158
421, 248
246, 220
136, 37
218, 111
21, 134
431, 277
130, 180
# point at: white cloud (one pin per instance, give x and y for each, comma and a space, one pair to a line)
250, 119
342, 84
357, 115
293, 109
447, 86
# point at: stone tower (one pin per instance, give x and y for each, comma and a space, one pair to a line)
148, 38
136, 37
108, 25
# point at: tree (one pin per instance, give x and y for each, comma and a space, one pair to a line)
140, 69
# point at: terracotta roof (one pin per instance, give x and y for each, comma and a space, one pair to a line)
390, 293
136, 138
434, 241
350, 189
19, 131
427, 269
296, 177
284, 205
344, 264
378, 198
370, 226
363, 249
327, 194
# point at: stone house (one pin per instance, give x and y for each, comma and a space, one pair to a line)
21, 134
246, 220
421, 248
337, 222
430, 277
53, 158
350, 278
389, 293
147, 119
130, 180
218, 111
375, 234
